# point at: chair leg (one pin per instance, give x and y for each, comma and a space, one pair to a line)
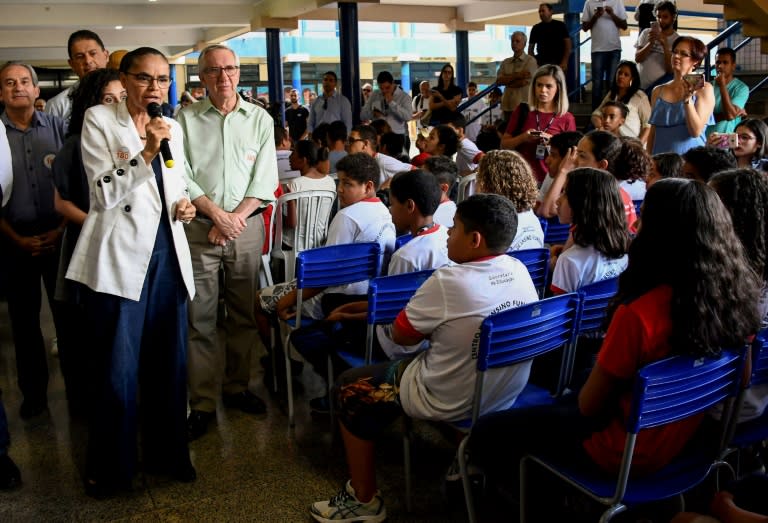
407, 462
612, 511
467, 484
289, 381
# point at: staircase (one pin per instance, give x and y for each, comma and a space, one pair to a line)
753, 14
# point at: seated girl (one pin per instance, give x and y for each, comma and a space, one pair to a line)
508, 174
591, 203
688, 289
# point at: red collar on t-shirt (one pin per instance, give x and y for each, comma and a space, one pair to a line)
371, 200
435, 227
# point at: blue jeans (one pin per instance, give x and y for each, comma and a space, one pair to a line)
604, 64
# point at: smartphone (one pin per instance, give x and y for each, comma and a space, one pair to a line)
726, 140
535, 133
655, 26
696, 80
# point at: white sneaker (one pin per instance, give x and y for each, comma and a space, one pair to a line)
55, 347
344, 507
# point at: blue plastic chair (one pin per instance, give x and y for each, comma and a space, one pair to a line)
556, 233
387, 296
544, 225
402, 240
537, 263
512, 337
665, 391
595, 298
328, 267
638, 204
756, 430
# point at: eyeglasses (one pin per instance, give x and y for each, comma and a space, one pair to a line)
350, 141
746, 138
681, 54
215, 72
146, 80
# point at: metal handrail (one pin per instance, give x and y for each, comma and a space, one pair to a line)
726, 33
477, 97
578, 88
759, 85
481, 113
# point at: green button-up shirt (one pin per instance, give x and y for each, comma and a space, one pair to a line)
229, 157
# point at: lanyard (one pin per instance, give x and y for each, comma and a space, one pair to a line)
538, 123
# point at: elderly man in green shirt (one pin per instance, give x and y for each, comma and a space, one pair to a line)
232, 171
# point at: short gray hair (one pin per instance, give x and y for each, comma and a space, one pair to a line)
28, 67
521, 33
201, 59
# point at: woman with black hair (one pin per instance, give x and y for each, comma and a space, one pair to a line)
445, 97
626, 89
72, 200
688, 289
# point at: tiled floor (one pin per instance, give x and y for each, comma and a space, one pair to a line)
249, 468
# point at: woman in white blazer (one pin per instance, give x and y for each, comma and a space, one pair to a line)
133, 255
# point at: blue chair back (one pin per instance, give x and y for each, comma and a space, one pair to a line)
681, 386
638, 204
760, 359
402, 240
387, 296
338, 264
556, 232
544, 225
537, 263
594, 304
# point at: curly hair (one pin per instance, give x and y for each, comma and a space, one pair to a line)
744, 192
597, 211
87, 94
687, 242
508, 174
632, 161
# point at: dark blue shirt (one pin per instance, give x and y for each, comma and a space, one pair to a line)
31, 209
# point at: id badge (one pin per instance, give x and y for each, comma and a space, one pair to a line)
541, 151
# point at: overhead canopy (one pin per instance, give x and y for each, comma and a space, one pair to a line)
36, 31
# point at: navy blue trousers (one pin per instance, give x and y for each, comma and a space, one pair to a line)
139, 347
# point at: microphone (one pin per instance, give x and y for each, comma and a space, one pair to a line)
154, 111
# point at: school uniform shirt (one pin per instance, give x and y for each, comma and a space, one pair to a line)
529, 235
638, 335
445, 213
471, 130
544, 189
467, 156
579, 266
389, 166
449, 309
427, 250
629, 209
635, 190
365, 221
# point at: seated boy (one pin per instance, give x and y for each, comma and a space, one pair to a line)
436, 384
614, 115
362, 218
445, 171
467, 154
414, 196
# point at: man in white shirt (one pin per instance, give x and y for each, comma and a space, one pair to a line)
86, 54
604, 18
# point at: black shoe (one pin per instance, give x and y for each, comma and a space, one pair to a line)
10, 477
246, 401
31, 408
197, 423
320, 405
185, 473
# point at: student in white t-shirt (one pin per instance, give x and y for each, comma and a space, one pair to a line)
436, 384
592, 204
362, 218
631, 166
508, 174
560, 160
283, 150
468, 156
445, 171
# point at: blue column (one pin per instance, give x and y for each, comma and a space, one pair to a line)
405, 76
296, 76
462, 59
349, 52
172, 98
275, 73
572, 10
